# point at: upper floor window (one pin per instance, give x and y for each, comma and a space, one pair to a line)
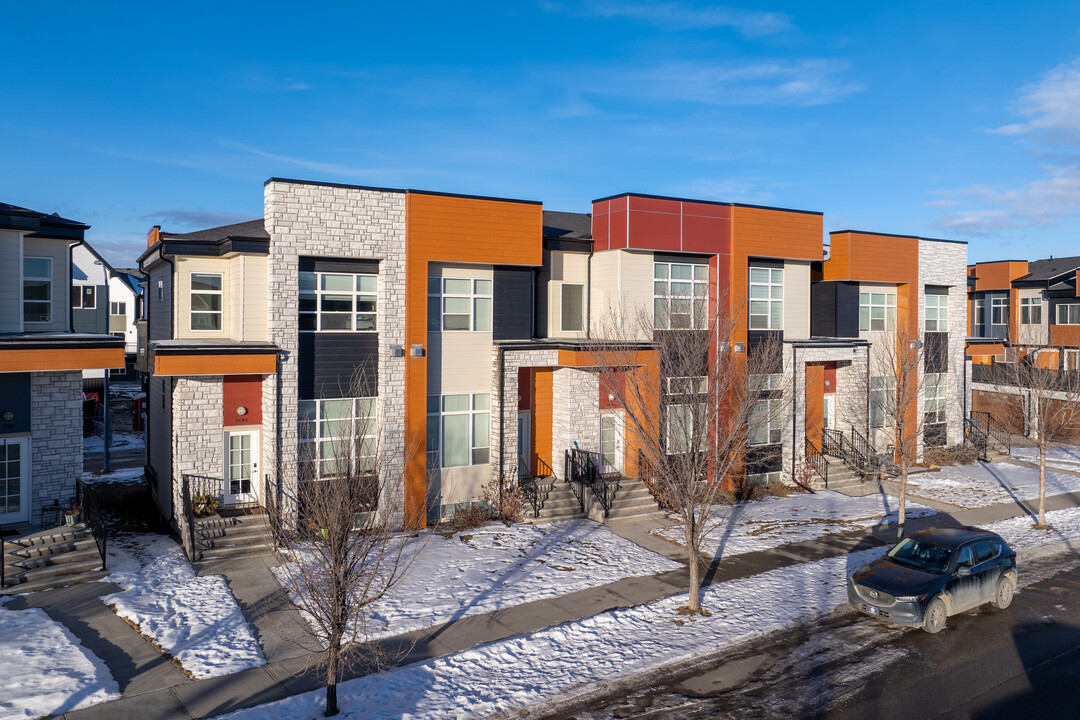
37, 290
337, 434
877, 311
1031, 311
979, 319
206, 301
573, 306
937, 313
117, 308
1068, 314
458, 435
83, 297
999, 311
766, 298
459, 304
338, 302
680, 296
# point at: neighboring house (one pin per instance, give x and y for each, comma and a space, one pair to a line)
125, 310
41, 363
472, 320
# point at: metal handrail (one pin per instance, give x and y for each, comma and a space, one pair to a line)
832, 443
995, 429
816, 460
543, 469
864, 450
186, 519
90, 514
976, 436
576, 475
584, 469
646, 476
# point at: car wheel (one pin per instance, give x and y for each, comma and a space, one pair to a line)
1004, 595
934, 618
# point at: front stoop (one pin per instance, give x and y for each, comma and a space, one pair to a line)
230, 535
49, 559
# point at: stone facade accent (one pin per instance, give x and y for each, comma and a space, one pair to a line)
513, 360
945, 263
198, 441
335, 222
56, 457
575, 412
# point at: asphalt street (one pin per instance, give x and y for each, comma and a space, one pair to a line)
1022, 662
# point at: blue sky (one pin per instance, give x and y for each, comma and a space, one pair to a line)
958, 120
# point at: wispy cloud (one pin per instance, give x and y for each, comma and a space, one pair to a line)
1050, 105
195, 218
313, 165
684, 16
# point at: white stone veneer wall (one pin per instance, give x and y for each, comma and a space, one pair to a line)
513, 360
56, 457
342, 223
575, 409
945, 263
198, 439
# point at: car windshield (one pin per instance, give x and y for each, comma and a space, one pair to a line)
921, 555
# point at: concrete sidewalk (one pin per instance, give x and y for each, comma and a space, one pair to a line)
288, 672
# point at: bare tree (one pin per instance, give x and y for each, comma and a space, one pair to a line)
1052, 397
701, 407
340, 539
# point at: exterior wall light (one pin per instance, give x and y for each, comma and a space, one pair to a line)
740, 347
7, 416
241, 411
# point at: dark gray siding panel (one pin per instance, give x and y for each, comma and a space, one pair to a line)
15, 394
847, 310
330, 362
159, 436
159, 312
341, 265
512, 303
823, 309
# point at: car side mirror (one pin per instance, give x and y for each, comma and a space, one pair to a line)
963, 571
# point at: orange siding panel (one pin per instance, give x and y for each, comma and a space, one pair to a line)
815, 402
14, 360
998, 275
541, 425
1067, 335
215, 364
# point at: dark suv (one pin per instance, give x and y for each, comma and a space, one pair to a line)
935, 573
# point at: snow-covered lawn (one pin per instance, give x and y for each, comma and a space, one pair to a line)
557, 662
1066, 457
495, 566
752, 526
123, 475
44, 670
981, 484
120, 440
194, 619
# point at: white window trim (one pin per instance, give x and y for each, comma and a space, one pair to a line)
940, 397
475, 294
367, 424
1027, 306
38, 277
192, 312
886, 385
120, 306
435, 422
356, 295
999, 307
82, 297
1068, 312
941, 322
562, 308
774, 412
698, 297
866, 300
764, 478
769, 300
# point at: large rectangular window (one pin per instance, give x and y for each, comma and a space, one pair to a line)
573, 307
118, 308
880, 388
83, 297
680, 296
459, 435
979, 320
206, 300
937, 395
877, 311
685, 417
1031, 311
336, 435
1068, 314
999, 311
37, 290
767, 422
766, 298
338, 302
459, 305
937, 313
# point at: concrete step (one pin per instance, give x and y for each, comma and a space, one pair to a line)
213, 553
216, 521
59, 559
618, 512
49, 536
237, 531
53, 582
55, 573
16, 553
555, 518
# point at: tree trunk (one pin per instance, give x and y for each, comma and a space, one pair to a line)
333, 658
900, 514
1042, 483
694, 603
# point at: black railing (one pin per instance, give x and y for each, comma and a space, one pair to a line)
993, 428
90, 514
582, 469
864, 451
976, 436
817, 461
854, 449
647, 476
543, 470
191, 487
832, 443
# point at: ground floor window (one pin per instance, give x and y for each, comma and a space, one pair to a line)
767, 422
458, 430
937, 386
880, 388
763, 478
337, 434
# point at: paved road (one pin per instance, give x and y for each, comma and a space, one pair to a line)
985, 665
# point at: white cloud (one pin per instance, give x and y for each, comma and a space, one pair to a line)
683, 16
1052, 105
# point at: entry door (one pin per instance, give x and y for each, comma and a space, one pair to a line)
524, 441
611, 452
241, 467
829, 410
14, 480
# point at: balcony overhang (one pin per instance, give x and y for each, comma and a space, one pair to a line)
226, 357
44, 352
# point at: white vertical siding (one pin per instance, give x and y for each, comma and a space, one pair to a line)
61, 282
566, 267
796, 300
1038, 334
10, 281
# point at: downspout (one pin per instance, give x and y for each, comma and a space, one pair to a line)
588, 294
794, 408
277, 438
71, 281
108, 413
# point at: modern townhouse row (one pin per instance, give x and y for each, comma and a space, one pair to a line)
471, 320
1020, 311
44, 351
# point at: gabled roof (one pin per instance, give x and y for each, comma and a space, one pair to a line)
567, 225
248, 237
254, 229
1040, 271
13, 217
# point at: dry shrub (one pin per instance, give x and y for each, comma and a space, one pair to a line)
506, 499
468, 518
955, 455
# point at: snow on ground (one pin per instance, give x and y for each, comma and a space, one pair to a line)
44, 670
556, 662
750, 526
981, 484
194, 619
495, 566
120, 440
1066, 457
122, 475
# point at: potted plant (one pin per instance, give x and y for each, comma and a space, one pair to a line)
71, 515
203, 505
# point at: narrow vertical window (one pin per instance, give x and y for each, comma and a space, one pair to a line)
766, 298
573, 307
37, 290
206, 301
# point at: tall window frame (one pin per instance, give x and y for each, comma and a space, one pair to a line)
766, 297
322, 426
37, 289
880, 388
207, 300
877, 311
83, 297
999, 310
680, 296
1031, 311
572, 307
339, 302
459, 304
459, 430
1067, 314
936, 397
936, 313
685, 412
979, 316
767, 414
